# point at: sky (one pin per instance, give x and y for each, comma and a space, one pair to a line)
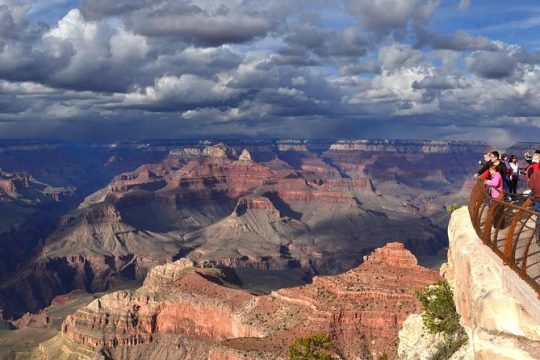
139, 69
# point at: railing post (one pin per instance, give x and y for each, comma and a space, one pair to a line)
509, 243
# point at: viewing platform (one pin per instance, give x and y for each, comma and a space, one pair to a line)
509, 228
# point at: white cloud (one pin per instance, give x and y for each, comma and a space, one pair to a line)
397, 55
186, 90
59, 111
126, 46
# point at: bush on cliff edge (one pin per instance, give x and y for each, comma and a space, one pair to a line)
313, 347
440, 317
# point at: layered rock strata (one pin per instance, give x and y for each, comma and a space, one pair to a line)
361, 311
317, 205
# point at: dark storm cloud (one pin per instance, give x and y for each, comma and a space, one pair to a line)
458, 41
437, 83
98, 9
194, 25
349, 43
492, 64
164, 68
9, 104
385, 16
197, 22
8, 28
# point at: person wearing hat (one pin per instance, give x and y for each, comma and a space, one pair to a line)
528, 157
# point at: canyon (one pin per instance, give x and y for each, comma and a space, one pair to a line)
361, 314
312, 207
270, 221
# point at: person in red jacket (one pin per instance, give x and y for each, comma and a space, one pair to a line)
534, 165
534, 185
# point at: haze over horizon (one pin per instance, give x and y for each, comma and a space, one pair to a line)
140, 69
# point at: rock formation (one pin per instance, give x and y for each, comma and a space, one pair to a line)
361, 310
499, 311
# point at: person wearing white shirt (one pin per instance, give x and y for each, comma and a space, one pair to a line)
514, 176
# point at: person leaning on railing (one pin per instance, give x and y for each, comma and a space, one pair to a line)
495, 183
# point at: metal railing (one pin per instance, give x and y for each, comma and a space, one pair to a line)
509, 228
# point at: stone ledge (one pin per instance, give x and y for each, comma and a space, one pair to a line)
489, 296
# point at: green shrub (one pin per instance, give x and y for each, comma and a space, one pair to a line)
452, 207
450, 346
313, 347
439, 314
440, 317
383, 357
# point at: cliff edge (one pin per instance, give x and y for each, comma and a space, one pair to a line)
499, 311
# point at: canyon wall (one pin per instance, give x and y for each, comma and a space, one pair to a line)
361, 311
318, 205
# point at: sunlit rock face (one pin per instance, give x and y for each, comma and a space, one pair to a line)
361, 310
499, 311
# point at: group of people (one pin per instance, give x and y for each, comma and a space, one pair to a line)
501, 175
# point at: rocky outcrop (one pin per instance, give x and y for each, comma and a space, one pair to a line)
415, 342
499, 311
361, 310
245, 155
40, 320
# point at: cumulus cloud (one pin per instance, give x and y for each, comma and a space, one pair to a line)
492, 64
385, 16
99, 9
349, 43
171, 93
197, 22
200, 28
439, 82
459, 40
398, 55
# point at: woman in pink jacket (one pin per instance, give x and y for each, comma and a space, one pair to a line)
495, 183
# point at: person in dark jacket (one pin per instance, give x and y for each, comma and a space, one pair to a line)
494, 159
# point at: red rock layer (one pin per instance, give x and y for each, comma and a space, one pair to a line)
216, 173
361, 310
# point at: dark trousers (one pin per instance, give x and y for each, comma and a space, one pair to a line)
537, 209
512, 185
506, 184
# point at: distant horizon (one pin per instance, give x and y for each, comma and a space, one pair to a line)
232, 138
217, 139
